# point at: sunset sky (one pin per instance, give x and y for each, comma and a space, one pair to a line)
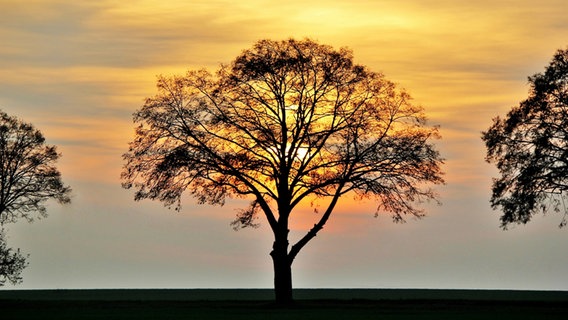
78, 70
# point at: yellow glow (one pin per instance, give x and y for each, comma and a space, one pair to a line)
462, 61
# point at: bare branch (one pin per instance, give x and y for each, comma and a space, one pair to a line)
283, 122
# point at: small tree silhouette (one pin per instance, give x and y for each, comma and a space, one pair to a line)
284, 123
28, 178
530, 148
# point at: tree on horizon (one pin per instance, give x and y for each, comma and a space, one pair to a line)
28, 179
529, 147
286, 123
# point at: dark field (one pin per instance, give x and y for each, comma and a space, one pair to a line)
253, 304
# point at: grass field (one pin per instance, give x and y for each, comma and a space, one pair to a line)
254, 304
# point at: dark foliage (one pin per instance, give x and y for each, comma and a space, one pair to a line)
12, 262
28, 179
530, 148
28, 176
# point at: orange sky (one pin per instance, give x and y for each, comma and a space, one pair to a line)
78, 70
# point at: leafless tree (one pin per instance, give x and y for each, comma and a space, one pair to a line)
285, 123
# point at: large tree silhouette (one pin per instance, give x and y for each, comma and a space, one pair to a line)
28, 179
285, 123
530, 148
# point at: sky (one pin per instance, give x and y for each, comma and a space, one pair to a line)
78, 70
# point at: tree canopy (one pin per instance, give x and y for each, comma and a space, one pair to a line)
530, 148
28, 176
285, 123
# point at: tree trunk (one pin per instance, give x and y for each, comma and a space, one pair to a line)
282, 273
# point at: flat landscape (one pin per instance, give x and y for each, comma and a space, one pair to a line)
257, 304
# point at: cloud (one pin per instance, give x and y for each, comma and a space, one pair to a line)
120, 34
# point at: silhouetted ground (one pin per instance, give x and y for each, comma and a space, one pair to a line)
256, 304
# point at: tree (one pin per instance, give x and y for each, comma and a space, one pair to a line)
285, 123
530, 148
28, 178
